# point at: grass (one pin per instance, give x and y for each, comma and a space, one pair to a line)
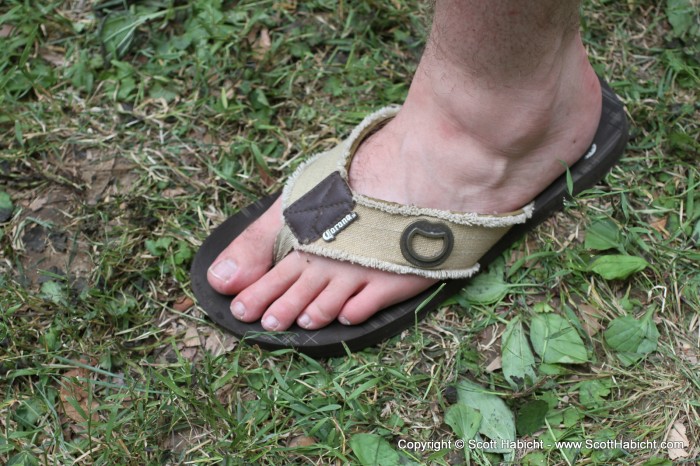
128, 130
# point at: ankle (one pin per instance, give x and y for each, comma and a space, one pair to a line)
504, 118
458, 146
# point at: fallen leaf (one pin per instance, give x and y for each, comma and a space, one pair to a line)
265, 178
189, 353
489, 336
229, 342
97, 174
192, 338
660, 226
517, 357
371, 449
464, 420
302, 441
687, 352
73, 392
556, 341
183, 303
173, 192
603, 235
590, 319
489, 346
632, 338
225, 394
56, 59
495, 364
677, 434
262, 44
498, 422
38, 203
6, 30
213, 344
617, 266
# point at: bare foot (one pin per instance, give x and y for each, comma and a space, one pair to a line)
453, 146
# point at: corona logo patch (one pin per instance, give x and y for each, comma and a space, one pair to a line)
330, 234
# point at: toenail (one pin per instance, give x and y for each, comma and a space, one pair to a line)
270, 323
223, 270
344, 320
304, 321
238, 309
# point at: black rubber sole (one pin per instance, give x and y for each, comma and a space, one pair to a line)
606, 150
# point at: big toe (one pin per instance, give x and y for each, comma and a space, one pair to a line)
249, 256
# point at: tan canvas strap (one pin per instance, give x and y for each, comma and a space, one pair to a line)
324, 217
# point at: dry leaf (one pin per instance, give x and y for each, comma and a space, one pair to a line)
73, 392
515, 256
262, 44
224, 394
56, 59
590, 319
38, 203
208, 139
230, 342
677, 434
301, 441
660, 226
97, 175
173, 192
192, 338
265, 178
74, 388
489, 345
183, 303
289, 5
494, 365
189, 353
213, 344
489, 336
687, 352
522, 252
6, 30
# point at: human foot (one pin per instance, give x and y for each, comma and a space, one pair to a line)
301, 286
477, 171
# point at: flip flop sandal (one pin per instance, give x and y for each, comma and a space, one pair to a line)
323, 216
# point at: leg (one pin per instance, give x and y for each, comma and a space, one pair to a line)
503, 94
506, 89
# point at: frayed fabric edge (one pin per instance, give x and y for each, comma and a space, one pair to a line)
381, 114
460, 218
374, 118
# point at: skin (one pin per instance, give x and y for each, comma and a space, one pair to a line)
503, 94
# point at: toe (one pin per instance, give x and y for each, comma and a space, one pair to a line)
325, 308
313, 296
382, 291
249, 256
284, 311
251, 303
